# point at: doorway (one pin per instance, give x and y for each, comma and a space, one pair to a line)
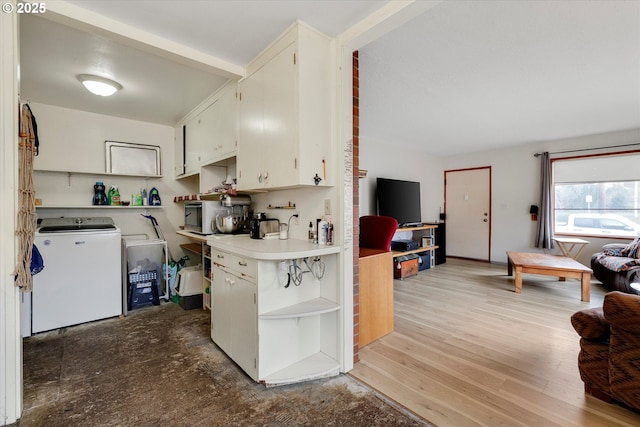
467, 201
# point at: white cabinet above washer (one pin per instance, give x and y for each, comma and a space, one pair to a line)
208, 134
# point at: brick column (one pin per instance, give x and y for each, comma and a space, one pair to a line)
356, 206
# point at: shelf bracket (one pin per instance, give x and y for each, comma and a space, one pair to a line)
68, 179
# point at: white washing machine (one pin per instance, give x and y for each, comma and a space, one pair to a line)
81, 279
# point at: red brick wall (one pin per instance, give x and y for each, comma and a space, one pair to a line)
356, 205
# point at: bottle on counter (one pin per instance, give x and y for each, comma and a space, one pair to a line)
323, 232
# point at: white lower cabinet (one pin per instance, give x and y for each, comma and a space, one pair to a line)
233, 310
233, 320
277, 334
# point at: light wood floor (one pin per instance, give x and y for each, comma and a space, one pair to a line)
468, 351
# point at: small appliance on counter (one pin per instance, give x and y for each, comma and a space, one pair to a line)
199, 216
261, 226
233, 216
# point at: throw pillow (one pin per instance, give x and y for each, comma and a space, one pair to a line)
632, 250
612, 251
618, 263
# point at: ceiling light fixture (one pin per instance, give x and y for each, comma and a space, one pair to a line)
99, 85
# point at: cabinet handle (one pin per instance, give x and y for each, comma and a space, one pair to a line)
242, 263
220, 256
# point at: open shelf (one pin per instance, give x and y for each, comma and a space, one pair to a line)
316, 366
95, 207
192, 247
312, 307
69, 173
418, 228
415, 251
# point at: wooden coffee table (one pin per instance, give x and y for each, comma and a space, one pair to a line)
549, 265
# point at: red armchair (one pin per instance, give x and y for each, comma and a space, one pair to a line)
609, 358
376, 232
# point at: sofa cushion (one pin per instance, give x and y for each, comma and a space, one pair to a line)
618, 263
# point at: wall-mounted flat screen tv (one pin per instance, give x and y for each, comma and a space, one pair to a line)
400, 200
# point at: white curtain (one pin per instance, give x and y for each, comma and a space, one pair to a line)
545, 231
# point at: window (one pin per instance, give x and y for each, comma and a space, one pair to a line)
597, 195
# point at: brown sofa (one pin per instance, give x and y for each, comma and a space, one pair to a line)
617, 265
609, 358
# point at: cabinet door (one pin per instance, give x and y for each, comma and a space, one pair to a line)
191, 138
244, 321
179, 151
250, 160
221, 310
199, 137
208, 124
280, 119
226, 135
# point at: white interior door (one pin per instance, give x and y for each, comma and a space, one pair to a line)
468, 213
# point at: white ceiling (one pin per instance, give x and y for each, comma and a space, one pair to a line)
475, 75
463, 76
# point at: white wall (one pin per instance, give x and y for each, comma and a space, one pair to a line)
516, 186
383, 160
309, 203
72, 140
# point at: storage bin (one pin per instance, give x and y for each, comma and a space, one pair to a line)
405, 266
425, 261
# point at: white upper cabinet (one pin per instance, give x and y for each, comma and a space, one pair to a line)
225, 140
285, 124
199, 138
210, 132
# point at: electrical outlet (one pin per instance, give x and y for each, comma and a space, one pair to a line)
327, 206
296, 220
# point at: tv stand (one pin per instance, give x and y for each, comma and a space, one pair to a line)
420, 232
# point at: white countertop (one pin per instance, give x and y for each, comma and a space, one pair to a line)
269, 249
